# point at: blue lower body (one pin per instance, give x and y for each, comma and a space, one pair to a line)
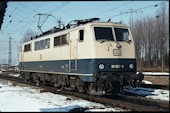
83, 66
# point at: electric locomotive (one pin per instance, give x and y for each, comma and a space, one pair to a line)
88, 56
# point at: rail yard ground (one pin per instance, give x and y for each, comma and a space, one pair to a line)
160, 80
23, 98
18, 97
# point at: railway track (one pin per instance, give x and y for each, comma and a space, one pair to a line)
122, 101
156, 86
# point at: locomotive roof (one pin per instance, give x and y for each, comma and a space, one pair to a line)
56, 30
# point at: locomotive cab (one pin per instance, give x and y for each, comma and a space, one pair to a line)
113, 54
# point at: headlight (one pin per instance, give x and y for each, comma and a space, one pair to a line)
101, 66
131, 66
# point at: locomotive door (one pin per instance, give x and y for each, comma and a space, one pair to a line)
73, 37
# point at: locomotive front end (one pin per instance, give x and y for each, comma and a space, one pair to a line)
114, 57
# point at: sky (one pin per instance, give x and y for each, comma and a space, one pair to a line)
21, 16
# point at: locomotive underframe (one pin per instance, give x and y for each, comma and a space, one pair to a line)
107, 83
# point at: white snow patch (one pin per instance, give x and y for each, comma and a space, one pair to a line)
17, 99
158, 94
146, 82
100, 110
154, 73
15, 75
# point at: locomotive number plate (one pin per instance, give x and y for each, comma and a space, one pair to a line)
117, 52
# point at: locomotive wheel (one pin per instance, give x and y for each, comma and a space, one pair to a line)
116, 88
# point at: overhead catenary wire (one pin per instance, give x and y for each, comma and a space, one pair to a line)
22, 15
48, 12
18, 15
73, 11
126, 12
59, 7
40, 6
10, 15
106, 11
8, 41
53, 10
25, 21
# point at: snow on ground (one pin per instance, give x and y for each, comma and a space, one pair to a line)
17, 98
15, 75
146, 82
154, 73
158, 94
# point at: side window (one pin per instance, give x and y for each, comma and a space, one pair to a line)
57, 41
60, 40
47, 43
42, 44
36, 46
64, 39
27, 47
81, 35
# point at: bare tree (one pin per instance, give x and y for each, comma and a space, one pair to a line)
163, 34
28, 35
151, 37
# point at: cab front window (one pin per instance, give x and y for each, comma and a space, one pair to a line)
121, 34
103, 33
